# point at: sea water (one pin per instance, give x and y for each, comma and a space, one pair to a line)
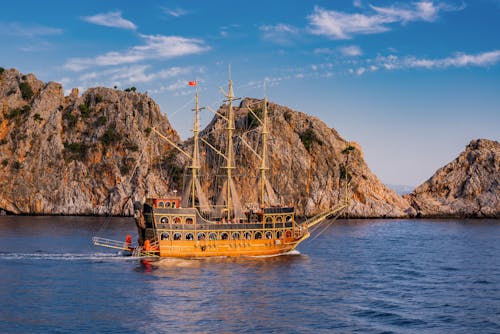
358, 276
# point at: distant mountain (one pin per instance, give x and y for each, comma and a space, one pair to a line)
400, 189
469, 186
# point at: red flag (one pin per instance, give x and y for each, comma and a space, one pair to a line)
192, 83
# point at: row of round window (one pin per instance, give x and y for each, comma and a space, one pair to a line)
175, 220
224, 235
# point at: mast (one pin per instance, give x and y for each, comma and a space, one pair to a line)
195, 162
263, 165
229, 153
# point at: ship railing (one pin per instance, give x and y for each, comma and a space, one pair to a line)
109, 243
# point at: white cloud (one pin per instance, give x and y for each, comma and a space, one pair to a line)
280, 33
458, 60
155, 47
27, 30
357, 3
351, 51
360, 71
340, 25
111, 19
175, 12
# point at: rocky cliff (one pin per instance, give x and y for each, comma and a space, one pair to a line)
89, 154
469, 186
307, 162
96, 154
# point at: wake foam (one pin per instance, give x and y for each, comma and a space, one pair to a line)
40, 256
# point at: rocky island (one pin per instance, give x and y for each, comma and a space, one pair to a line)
469, 186
96, 154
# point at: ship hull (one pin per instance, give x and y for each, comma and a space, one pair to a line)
227, 248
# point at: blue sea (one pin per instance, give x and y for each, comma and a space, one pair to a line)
358, 276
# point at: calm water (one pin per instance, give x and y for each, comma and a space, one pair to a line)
379, 276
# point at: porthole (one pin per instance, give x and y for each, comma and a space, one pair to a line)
189, 220
177, 220
248, 235
269, 235
269, 220
236, 236
165, 236
212, 236
161, 204
167, 204
224, 236
201, 236
279, 220
164, 220
177, 236
189, 236
279, 235
258, 235
288, 234
288, 219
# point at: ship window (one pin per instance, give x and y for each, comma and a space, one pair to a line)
201, 236
177, 236
189, 220
269, 235
165, 236
173, 205
279, 235
288, 234
189, 236
167, 204
224, 236
279, 220
258, 235
288, 218
160, 204
248, 235
177, 220
164, 220
212, 236
236, 235
269, 220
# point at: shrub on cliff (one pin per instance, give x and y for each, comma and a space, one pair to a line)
308, 137
26, 91
110, 136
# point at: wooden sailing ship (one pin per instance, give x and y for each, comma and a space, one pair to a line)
188, 226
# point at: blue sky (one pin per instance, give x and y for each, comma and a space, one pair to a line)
411, 82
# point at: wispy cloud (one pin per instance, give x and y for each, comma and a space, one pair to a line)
111, 19
458, 60
351, 51
280, 33
27, 30
175, 12
341, 25
155, 47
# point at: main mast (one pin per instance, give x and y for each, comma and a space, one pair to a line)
195, 161
263, 165
229, 153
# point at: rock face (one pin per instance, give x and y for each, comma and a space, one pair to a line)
91, 154
469, 186
95, 154
307, 164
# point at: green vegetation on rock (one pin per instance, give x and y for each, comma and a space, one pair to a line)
26, 91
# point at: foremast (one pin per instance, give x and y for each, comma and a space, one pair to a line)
195, 158
229, 152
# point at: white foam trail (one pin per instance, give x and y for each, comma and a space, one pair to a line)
292, 252
62, 256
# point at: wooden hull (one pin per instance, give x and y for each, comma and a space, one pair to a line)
227, 248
